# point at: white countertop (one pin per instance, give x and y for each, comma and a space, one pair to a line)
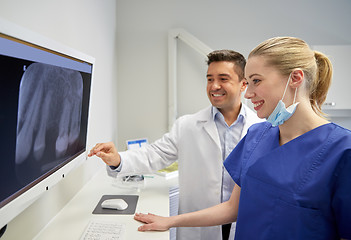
73, 219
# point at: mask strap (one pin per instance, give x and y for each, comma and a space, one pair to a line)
295, 95
286, 87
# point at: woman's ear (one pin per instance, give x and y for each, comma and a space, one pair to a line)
297, 78
243, 85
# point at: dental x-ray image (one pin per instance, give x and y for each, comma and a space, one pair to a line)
44, 108
49, 118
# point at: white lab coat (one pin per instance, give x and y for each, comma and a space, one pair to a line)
194, 142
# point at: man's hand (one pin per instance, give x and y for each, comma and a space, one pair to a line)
107, 152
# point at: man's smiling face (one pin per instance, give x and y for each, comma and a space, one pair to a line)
223, 86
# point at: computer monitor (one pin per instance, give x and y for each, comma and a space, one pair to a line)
44, 111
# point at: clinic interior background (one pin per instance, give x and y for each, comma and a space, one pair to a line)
129, 42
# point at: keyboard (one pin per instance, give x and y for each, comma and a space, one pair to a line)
104, 230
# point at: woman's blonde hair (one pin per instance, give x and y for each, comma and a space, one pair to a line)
289, 53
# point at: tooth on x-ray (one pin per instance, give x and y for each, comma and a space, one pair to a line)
49, 113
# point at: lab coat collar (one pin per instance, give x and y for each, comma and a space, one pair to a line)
205, 119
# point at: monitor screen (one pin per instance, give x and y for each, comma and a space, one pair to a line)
44, 110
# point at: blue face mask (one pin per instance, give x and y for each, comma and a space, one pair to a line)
280, 113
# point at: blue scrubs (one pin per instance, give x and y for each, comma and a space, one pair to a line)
300, 190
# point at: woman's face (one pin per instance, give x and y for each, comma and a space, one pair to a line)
265, 85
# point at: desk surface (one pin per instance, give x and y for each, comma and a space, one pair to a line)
73, 219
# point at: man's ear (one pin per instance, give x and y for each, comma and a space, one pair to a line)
297, 78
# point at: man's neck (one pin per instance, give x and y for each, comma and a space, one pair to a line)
230, 115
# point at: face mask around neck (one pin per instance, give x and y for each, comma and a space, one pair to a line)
281, 113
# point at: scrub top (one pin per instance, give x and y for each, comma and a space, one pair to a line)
300, 190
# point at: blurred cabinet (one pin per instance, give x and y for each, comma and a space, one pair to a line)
339, 95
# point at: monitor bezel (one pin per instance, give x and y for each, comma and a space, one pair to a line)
13, 207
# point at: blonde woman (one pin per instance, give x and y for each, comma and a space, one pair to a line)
292, 173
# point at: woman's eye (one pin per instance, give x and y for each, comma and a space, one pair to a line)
255, 81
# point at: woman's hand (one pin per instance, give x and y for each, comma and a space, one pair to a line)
152, 222
220, 214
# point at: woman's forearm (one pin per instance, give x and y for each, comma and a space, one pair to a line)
217, 215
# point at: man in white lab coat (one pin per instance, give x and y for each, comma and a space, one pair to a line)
200, 142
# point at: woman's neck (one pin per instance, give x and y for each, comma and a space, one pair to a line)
303, 120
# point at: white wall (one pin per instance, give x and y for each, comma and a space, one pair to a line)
88, 26
240, 25
128, 38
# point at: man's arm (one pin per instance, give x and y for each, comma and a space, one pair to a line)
107, 152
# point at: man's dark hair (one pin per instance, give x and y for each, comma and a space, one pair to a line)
229, 56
